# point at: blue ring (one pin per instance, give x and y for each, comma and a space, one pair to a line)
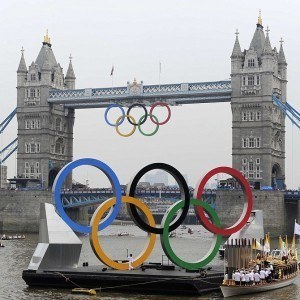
60, 178
106, 112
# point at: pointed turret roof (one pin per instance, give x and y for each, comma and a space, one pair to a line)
258, 40
236, 52
70, 73
22, 65
281, 56
46, 54
267, 46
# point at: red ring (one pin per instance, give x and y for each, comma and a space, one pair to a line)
247, 206
161, 104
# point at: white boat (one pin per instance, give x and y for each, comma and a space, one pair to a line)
123, 233
235, 290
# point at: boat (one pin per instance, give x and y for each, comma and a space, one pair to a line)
12, 237
123, 233
190, 231
183, 227
172, 234
251, 270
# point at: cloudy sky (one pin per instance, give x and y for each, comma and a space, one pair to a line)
192, 39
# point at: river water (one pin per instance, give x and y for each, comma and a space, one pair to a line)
16, 254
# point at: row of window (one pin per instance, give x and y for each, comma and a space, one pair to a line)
32, 93
251, 116
32, 124
58, 148
251, 80
252, 175
32, 148
251, 62
245, 161
32, 170
251, 142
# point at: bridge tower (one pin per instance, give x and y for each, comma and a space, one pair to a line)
258, 125
45, 131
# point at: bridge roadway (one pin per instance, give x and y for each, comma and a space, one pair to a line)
79, 198
173, 94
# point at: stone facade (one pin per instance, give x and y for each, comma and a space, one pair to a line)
45, 131
258, 125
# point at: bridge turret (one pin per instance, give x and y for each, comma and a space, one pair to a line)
70, 76
237, 56
282, 71
267, 57
22, 71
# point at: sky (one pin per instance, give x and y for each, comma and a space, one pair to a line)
193, 41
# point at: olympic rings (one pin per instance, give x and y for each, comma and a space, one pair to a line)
110, 107
165, 243
142, 120
58, 183
161, 104
94, 240
248, 201
168, 221
131, 132
184, 189
137, 105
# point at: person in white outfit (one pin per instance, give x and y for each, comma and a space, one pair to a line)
130, 261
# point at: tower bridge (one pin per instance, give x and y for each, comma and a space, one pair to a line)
256, 91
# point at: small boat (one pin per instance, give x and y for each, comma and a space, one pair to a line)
183, 227
123, 233
190, 231
172, 234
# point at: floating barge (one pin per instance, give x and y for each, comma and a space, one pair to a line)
142, 281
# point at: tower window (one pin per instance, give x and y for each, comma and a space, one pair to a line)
244, 116
258, 116
244, 161
258, 142
251, 62
257, 80
58, 124
244, 80
251, 116
258, 161
250, 80
32, 77
251, 142
32, 93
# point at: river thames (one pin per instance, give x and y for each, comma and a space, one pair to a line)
16, 254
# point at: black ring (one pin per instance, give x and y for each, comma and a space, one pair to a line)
137, 105
184, 190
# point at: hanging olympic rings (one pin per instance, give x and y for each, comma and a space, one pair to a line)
94, 239
121, 120
168, 221
142, 120
184, 189
145, 113
248, 201
160, 104
131, 132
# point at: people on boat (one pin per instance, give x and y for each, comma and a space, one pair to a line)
247, 278
251, 277
262, 275
237, 277
256, 278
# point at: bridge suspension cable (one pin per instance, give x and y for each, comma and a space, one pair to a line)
289, 111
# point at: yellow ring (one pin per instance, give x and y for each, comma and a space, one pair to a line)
94, 239
117, 126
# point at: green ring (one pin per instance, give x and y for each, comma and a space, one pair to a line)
165, 243
141, 120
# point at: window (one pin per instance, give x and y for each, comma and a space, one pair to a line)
251, 167
32, 77
244, 161
26, 124
251, 175
258, 116
257, 80
58, 124
250, 62
26, 165
258, 161
244, 143
27, 148
32, 93
244, 80
37, 147
31, 168
32, 148
251, 142
62, 150
38, 92
38, 124
258, 142
251, 116
244, 116
250, 80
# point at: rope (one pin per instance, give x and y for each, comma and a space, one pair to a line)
68, 279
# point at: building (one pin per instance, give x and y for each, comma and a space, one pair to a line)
3, 177
158, 177
258, 125
45, 131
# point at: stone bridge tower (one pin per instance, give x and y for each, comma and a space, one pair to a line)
45, 131
258, 125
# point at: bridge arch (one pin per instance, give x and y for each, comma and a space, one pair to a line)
51, 177
277, 177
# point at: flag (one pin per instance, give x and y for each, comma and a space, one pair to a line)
297, 228
112, 71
